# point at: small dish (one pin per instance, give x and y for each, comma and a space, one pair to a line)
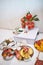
7, 43
8, 54
39, 45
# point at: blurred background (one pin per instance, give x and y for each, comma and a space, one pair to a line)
11, 12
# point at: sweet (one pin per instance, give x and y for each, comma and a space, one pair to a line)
7, 53
24, 53
39, 45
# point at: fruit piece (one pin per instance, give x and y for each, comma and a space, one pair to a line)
25, 48
15, 51
9, 50
39, 45
4, 55
41, 42
26, 56
41, 48
36, 46
10, 55
18, 56
22, 52
38, 42
30, 51
5, 51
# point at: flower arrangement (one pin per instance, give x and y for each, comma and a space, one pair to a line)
28, 20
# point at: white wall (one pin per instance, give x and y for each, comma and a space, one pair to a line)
11, 12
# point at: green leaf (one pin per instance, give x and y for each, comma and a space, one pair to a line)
36, 19
31, 19
34, 16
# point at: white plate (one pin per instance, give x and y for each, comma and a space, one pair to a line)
8, 57
19, 47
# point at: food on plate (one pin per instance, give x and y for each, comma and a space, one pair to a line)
39, 45
30, 51
8, 41
25, 52
8, 53
39, 62
18, 55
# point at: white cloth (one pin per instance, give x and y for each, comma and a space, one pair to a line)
5, 34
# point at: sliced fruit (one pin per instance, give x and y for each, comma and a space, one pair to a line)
22, 52
25, 49
30, 51
16, 51
10, 55
7, 53
4, 55
18, 56
41, 42
26, 56
39, 45
38, 42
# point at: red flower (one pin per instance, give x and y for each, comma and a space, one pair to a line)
28, 20
28, 16
30, 25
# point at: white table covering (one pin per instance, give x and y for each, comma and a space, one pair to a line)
5, 34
